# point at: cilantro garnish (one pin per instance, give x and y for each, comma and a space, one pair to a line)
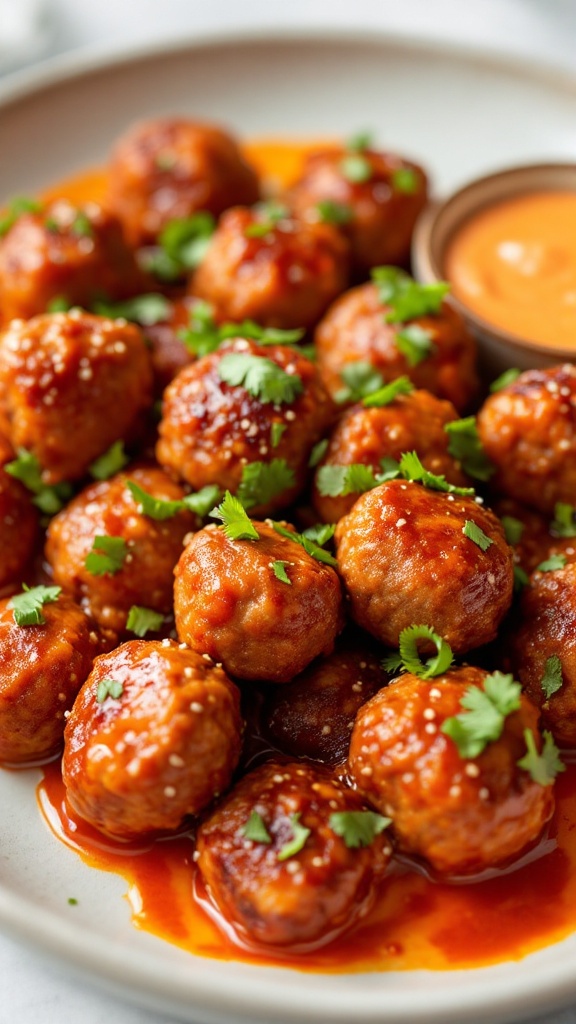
465, 445
415, 344
552, 679
27, 606
200, 502
18, 206
256, 830
358, 828
337, 481
59, 304
268, 216
312, 548
542, 768
109, 688
513, 529
476, 535
236, 523
72, 901
405, 180
411, 468
359, 142
563, 524
485, 713
387, 394
144, 309
506, 378
276, 432
263, 481
361, 379
407, 299
279, 570
330, 212
81, 225
143, 620
318, 452
48, 498
203, 335
294, 845
182, 245
356, 168
107, 556
110, 462
552, 563
521, 578
320, 533
261, 377
407, 659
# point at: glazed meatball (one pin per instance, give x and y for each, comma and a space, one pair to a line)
212, 431
270, 895
365, 436
285, 276
153, 736
70, 385
172, 168
64, 252
313, 715
377, 212
534, 539
461, 816
544, 645
230, 603
405, 558
355, 330
19, 525
529, 432
148, 548
42, 668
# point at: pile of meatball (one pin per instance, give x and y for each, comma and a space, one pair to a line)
253, 706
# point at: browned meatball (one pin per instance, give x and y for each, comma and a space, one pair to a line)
529, 431
148, 548
285, 277
64, 252
172, 168
462, 816
313, 715
537, 536
70, 385
405, 559
230, 604
19, 526
212, 431
270, 895
547, 635
154, 735
355, 330
414, 422
379, 197
42, 667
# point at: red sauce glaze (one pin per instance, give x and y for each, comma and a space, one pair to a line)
416, 923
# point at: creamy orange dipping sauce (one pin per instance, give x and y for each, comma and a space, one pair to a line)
514, 265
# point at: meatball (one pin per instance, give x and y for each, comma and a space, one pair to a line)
172, 168
213, 431
64, 252
533, 538
355, 329
269, 894
42, 667
153, 736
313, 715
408, 555
147, 548
378, 195
70, 385
231, 602
365, 436
543, 649
168, 351
19, 526
280, 273
461, 816
528, 430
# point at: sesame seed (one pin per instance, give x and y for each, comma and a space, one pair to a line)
290, 415
196, 707
182, 646
367, 770
277, 778
429, 714
455, 791
317, 862
430, 728
207, 657
188, 672
400, 522
292, 867
326, 730
472, 770
176, 761
169, 791
165, 643
484, 793
196, 855
434, 693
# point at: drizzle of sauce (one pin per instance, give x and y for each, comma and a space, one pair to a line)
514, 265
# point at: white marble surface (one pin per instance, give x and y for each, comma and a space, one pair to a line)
31, 992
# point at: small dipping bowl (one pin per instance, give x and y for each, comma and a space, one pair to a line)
507, 245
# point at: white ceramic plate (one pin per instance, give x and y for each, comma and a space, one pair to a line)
458, 114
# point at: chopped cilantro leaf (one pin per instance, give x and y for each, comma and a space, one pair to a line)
405, 180
202, 501
411, 468
276, 432
27, 606
465, 445
18, 206
294, 845
356, 168
81, 225
563, 524
279, 569
330, 212
268, 216
143, 620
107, 556
202, 335
59, 304
485, 711
506, 378
310, 546
144, 309
476, 535
182, 245
154, 508
415, 344
72, 901
552, 563
110, 462
407, 299
521, 578
358, 828
320, 533
263, 481
256, 830
335, 481
359, 142
542, 768
261, 377
552, 679
48, 498
236, 523
318, 452
388, 394
361, 379
109, 688
513, 529
408, 659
